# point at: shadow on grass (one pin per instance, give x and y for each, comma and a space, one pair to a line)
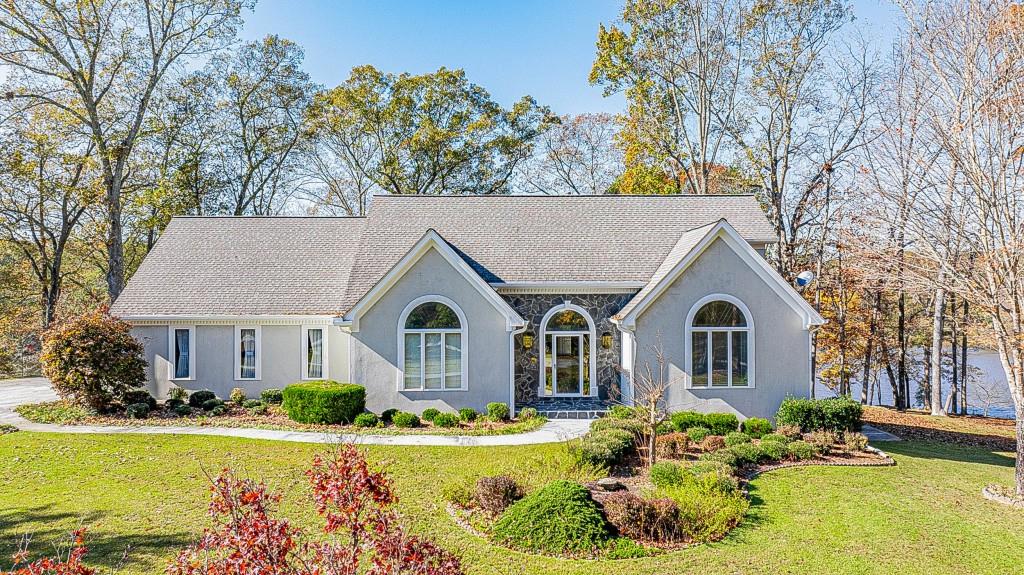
947, 451
48, 530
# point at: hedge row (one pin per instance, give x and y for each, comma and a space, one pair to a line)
834, 414
324, 401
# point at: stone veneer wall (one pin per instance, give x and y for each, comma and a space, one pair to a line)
601, 308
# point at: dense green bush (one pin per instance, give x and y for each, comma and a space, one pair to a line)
834, 414
219, 409
736, 438
446, 420
495, 494
775, 437
708, 509
237, 395
467, 414
172, 403
773, 450
256, 407
138, 396
387, 415
631, 425
747, 454
198, 398
272, 396
665, 473
697, 434
365, 419
715, 475
624, 548
725, 457
603, 448
801, 450
497, 411
250, 403
560, 518
324, 401
756, 427
211, 404
721, 423
430, 413
640, 518
528, 413
621, 412
137, 410
684, 420
183, 410
405, 419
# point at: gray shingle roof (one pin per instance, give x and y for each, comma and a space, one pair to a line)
292, 266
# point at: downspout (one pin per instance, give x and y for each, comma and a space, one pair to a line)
512, 367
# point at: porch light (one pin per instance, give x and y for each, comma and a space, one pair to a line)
528, 339
606, 340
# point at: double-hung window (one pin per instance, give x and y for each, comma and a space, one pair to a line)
247, 352
182, 352
432, 339
314, 352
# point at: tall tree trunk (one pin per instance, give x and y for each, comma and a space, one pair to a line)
903, 401
954, 387
938, 314
963, 361
115, 239
865, 393
926, 386
894, 382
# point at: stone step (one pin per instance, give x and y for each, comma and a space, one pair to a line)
573, 413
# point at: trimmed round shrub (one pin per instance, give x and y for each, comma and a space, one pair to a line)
211, 404
667, 474
272, 396
801, 450
137, 410
684, 420
648, 519
621, 412
714, 474
833, 413
405, 419
774, 437
177, 393
560, 518
256, 407
219, 410
528, 413
468, 414
773, 450
139, 396
697, 434
855, 441
388, 414
249, 403
630, 425
603, 448
446, 420
756, 427
748, 454
726, 457
495, 494
198, 398
366, 419
721, 423
497, 411
736, 438
172, 403
237, 395
712, 443
324, 401
672, 445
663, 428
183, 410
430, 413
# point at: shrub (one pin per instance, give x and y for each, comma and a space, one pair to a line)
706, 512
716, 474
178, 393
272, 396
525, 413
736, 438
712, 443
468, 414
183, 410
429, 414
672, 445
632, 426
747, 454
171, 403
237, 395
623, 548
800, 449
251, 403
137, 410
388, 414
648, 519
495, 494
603, 448
855, 441
560, 518
621, 412
726, 457
663, 428
220, 409
721, 423
756, 427
458, 493
774, 438
665, 473
697, 434
822, 440
684, 420
324, 401
446, 420
790, 431
138, 396
833, 414
198, 398
256, 407
405, 419
210, 404
366, 419
497, 411
773, 450
93, 359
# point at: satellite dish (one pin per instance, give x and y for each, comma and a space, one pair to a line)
805, 277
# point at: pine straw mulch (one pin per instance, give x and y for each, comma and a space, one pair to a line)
971, 430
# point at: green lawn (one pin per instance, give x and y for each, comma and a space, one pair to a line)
148, 493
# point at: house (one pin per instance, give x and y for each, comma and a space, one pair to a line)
451, 302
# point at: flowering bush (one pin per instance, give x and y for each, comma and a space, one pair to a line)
363, 534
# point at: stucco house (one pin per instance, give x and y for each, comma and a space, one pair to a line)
449, 302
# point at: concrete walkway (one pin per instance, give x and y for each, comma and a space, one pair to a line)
874, 434
15, 392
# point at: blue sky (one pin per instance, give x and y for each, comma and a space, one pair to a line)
511, 48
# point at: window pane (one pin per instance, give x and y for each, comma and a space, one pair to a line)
719, 314
567, 364
314, 353
181, 356
719, 358
432, 369
585, 367
568, 320
739, 358
247, 357
699, 351
452, 360
548, 373
432, 315
412, 361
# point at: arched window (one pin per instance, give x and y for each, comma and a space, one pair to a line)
568, 340
719, 337
431, 344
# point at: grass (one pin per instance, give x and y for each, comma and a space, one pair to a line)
148, 493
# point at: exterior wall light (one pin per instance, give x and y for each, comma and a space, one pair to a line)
606, 340
528, 339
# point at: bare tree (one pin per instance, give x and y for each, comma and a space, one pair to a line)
651, 385
576, 156
989, 395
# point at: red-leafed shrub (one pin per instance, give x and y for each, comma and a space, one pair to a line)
645, 519
68, 560
363, 533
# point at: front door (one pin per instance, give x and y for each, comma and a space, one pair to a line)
567, 357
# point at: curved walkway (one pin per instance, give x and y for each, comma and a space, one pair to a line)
15, 392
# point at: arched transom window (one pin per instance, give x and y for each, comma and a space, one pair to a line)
432, 339
719, 337
568, 339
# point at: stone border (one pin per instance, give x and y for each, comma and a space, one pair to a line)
885, 461
995, 493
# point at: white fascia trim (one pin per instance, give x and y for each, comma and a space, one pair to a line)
567, 287
722, 230
431, 239
227, 317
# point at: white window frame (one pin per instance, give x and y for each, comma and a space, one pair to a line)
191, 352
237, 349
463, 338
749, 330
591, 331
324, 368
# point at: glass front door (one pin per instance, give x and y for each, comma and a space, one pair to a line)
566, 360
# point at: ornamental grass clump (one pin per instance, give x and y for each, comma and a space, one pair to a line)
559, 519
324, 401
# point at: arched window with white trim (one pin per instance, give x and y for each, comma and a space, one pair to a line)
720, 343
568, 339
432, 336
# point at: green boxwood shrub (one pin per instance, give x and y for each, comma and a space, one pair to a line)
560, 518
756, 427
387, 415
497, 411
726, 457
250, 403
257, 407
172, 403
366, 419
666, 473
721, 423
430, 413
684, 420
138, 396
220, 409
467, 414
801, 450
183, 410
528, 413
324, 401
211, 404
603, 448
405, 419
631, 425
198, 398
446, 420
833, 414
736, 438
137, 410
774, 437
773, 450
273, 396
697, 434
621, 412
747, 454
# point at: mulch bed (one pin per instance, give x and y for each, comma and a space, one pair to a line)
987, 432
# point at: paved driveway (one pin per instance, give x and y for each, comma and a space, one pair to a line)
14, 392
